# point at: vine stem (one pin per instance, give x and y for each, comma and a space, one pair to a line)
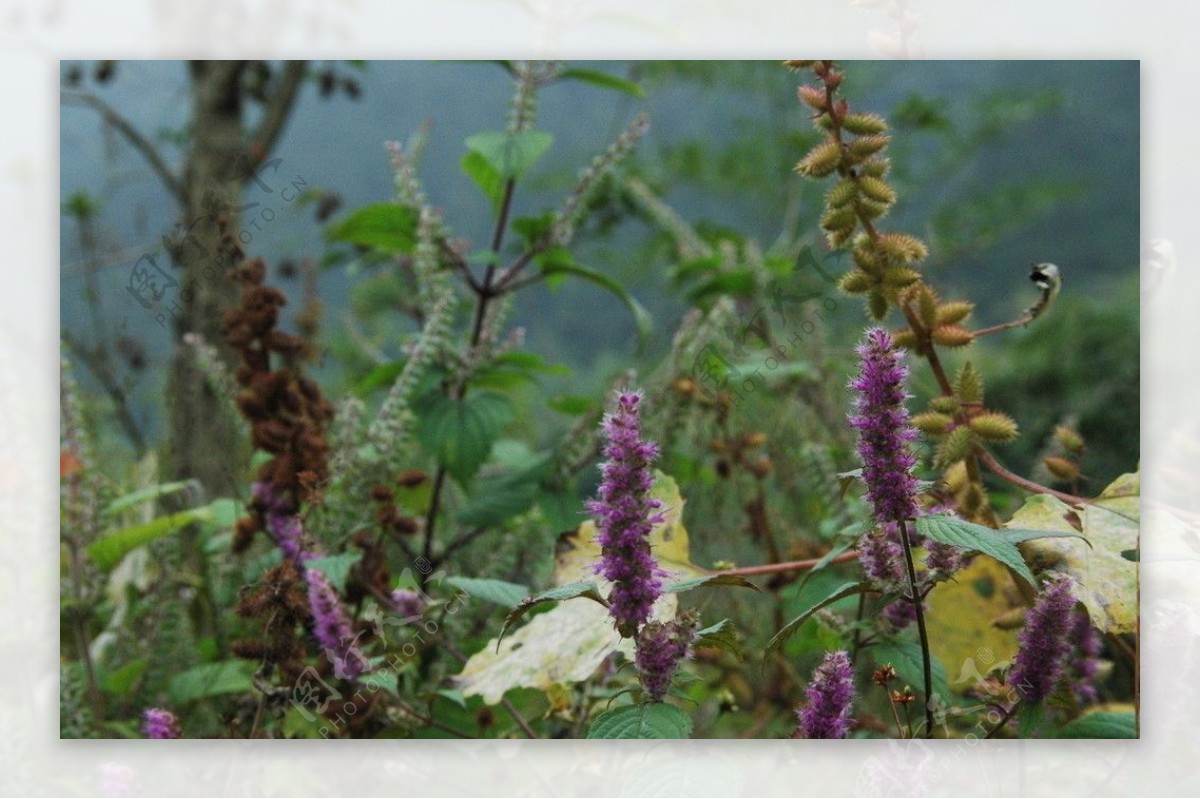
926, 662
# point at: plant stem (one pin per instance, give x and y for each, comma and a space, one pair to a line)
1003, 720
790, 566
994, 466
926, 663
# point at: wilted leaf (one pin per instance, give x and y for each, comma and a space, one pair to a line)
1106, 580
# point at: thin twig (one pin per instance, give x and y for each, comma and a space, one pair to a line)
135, 138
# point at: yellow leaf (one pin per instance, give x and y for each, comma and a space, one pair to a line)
960, 615
1106, 578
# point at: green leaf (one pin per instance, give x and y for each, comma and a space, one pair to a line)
721, 636
968, 536
1030, 718
561, 266
603, 80
485, 176
336, 568
1016, 536
656, 720
1101, 724
120, 682
460, 432
388, 227
107, 552
510, 155
496, 499
560, 593
146, 495
382, 376
687, 584
497, 592
211, 679
840, 592
571, 404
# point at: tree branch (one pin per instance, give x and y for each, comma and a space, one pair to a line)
278, 108
135, 139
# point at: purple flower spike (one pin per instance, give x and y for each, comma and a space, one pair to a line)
1085, 658
827, 714
159, 724
661, 647
331, 627
884, 432
1044, 643
625, 514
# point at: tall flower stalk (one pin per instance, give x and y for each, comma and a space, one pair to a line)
884, 434
625, 514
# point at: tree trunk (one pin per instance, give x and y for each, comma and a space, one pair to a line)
205, 440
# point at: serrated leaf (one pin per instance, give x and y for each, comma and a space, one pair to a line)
108, 551
656, 720
840, 592
460, 432
387, 227
497, 592
971, 537
1101, 724
603, 80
